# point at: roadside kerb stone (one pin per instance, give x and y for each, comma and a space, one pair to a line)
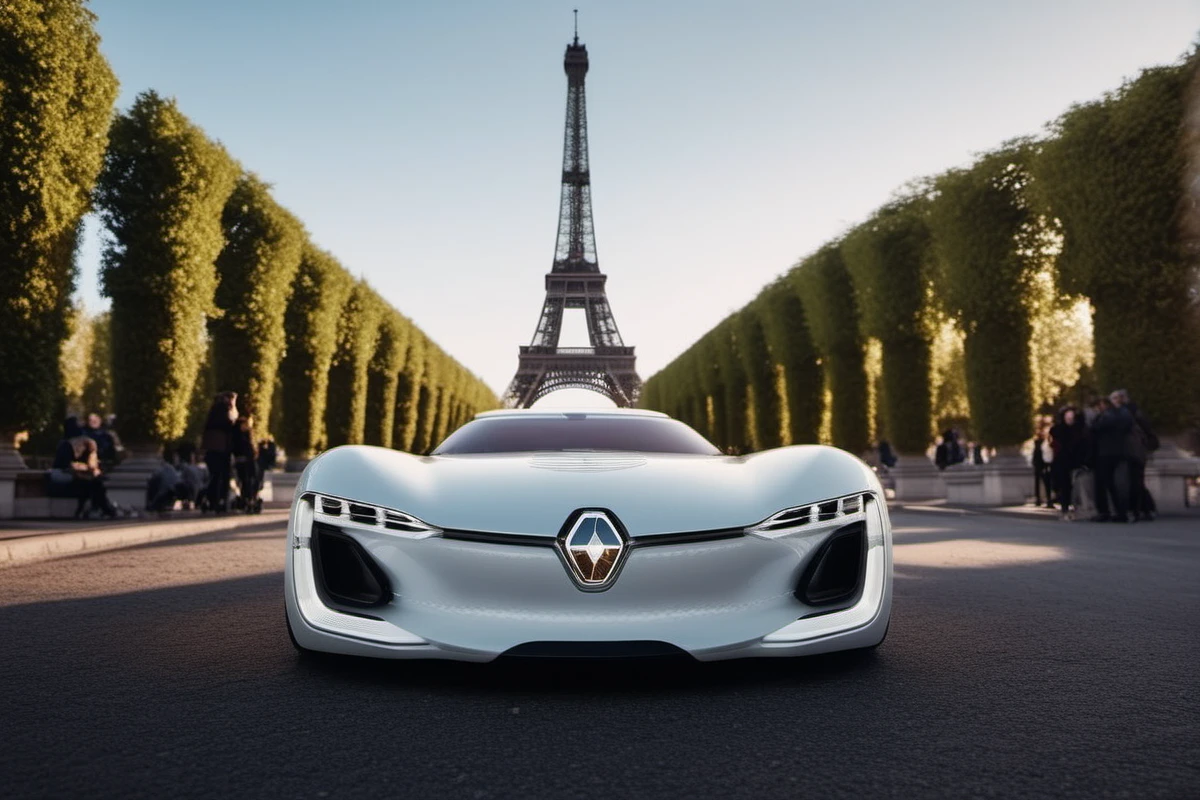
42, 546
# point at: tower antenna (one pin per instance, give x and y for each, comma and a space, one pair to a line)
577, 26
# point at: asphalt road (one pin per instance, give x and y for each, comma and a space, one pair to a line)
1026, 658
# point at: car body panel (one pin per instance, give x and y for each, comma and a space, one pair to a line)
477, 599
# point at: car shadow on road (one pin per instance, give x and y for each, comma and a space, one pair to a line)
573, 676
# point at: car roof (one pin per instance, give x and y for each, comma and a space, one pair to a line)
563, 413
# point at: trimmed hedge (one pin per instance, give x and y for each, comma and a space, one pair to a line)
56, 98
826, 293
357, 334
887, 258
1112, 173
160, 194
785, 326
759, 368
255, 270
383, 378
427, 402
408, 393
733, 385
319, 293
986, 260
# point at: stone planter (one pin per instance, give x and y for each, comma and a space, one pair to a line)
1167, 474
11, 464
917, 478
1006, 480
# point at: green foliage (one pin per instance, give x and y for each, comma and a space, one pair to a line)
74, 357
427, 400
98, 384
733, 384
161, 193
255, 271
1112, 173
408, 393
384, 378
449, 389
56, 95
320, 291
759, 369
709, 386
986, 261
831, 312
357, 333
693, 408
782, 316
887, 258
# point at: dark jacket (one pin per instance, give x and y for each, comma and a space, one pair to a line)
243, 445
1111, 431
1070, 445
1141, 441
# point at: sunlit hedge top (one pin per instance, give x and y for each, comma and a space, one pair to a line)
319, 293
160, 194
1113, 173
255, 272
986, 239
887, 258
56, 96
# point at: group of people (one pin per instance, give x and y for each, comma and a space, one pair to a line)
1100, 451
85, 455
80, 462
951, 450
231, 451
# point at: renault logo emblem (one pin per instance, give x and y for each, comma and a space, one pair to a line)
592, 543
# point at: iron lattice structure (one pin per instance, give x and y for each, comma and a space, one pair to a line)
575, 281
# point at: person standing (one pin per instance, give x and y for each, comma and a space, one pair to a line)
1110, 433
245, 465
1068, 442
218, 448
1043, 457
1140, 443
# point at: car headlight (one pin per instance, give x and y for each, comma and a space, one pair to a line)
838, 511
352, 513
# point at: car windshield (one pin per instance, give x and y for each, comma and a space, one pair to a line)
575, 432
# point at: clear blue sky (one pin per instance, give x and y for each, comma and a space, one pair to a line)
421, 142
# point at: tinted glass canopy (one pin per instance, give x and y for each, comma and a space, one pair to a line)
515, 434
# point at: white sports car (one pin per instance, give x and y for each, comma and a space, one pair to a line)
589, 533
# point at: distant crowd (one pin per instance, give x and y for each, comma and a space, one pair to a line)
186, 476
1089, 462
1094, 460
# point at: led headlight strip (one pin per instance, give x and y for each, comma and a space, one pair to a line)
839, 510
340, 511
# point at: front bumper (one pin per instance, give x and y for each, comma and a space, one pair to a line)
474, 601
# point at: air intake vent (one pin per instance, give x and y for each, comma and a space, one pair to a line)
345, 573
835, 574
363, 514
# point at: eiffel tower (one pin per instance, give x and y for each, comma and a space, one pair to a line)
575, 281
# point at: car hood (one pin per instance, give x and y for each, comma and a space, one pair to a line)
534, 493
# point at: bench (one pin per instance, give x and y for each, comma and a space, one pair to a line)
31, 498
